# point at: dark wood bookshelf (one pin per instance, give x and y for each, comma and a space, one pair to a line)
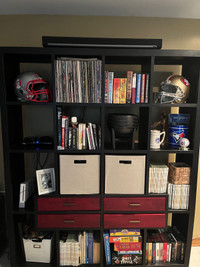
19, 163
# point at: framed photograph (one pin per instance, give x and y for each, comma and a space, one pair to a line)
46, 181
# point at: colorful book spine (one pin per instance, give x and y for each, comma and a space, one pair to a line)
142, 88
123, 82
59, 129
107, 248
138, 86
129, 86
134, 82
106, 87
116, 90
146, 99
64, 118
90, 247
110, 86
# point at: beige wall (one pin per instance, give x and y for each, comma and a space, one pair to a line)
27, 30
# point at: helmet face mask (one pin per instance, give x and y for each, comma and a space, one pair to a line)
174, 90
29, 86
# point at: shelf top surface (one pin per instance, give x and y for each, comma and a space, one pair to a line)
100, 51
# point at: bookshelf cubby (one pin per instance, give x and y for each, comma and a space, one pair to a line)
21, 119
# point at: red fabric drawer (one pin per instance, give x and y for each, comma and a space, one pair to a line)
68, 220
134, 220
135, 204
69, 203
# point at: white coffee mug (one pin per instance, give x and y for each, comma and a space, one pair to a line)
155, 139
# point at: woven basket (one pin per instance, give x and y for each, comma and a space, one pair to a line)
179, 173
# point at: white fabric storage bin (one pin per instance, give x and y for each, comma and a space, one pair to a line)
39, 251
79, 174
124, 174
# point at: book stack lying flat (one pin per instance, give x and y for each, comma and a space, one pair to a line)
178, 196
123, 246
165, 246
158, 177
77, 249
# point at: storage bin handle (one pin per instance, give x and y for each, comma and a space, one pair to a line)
125, 162
134, 221
36, 246
69, 221
134, 204
69, 204
80, 161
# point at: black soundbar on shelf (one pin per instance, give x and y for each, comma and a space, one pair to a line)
53, 41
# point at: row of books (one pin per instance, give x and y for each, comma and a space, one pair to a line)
178, 196
78, 80
165, 246
132, 89
73, 135
158, 178
79, 248
123, 246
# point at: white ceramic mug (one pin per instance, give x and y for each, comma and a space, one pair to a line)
155, 139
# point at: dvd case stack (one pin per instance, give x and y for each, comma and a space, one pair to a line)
78, 80
165, 245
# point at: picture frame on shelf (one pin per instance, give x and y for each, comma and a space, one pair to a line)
45, 181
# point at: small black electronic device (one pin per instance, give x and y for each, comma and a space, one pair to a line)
36, 140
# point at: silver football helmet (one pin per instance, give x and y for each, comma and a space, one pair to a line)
29, 86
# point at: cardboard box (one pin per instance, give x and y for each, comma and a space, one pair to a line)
79, 174
124, 174
39, 251
179, 173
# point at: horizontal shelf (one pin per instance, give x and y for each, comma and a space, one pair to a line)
126, 105
31, 103
172, 150
134, 195
30, 149
70, 229
134, 212
79, 104
23, 211
125, 151
70, 212
18, 103
37, 264
185, 105
178, 211
174, 264
79, 151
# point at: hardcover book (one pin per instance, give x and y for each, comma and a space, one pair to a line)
129, 86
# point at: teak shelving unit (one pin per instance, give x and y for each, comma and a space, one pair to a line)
43, 118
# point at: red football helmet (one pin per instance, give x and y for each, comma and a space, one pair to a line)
29, 86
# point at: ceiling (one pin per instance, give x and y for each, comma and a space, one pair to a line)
136, 8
